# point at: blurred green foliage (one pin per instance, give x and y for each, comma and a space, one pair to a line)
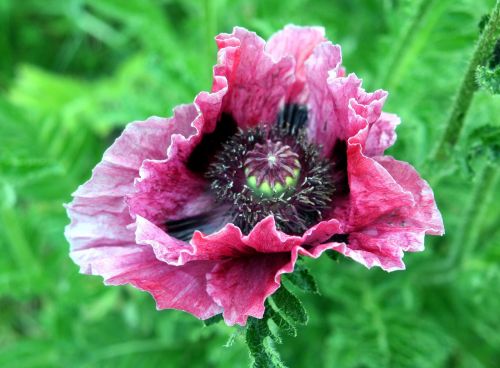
74, 72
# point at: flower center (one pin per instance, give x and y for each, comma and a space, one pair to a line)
271, 168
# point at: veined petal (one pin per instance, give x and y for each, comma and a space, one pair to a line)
400, 226
257, 84
241, 285
167, 190
228, 242
373, 191
382, 134
339, 107
103, 243
182, 288
424, 215
98, 211
298, 42
324, 123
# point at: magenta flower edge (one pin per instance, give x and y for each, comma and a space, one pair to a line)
284, 157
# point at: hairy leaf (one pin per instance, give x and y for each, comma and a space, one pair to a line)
489, 79
303, 279
261, 347
289, 305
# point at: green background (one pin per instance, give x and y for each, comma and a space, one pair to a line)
73, 73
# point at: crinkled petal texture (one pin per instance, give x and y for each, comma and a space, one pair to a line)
247, 268
118, 218
388, 208
102, 234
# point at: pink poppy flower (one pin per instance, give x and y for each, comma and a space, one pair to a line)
284, 157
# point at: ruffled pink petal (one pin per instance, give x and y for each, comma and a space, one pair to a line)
101, 241
363, 112
373, 191
182, 288
165, 247
298, 42
322, 231
257, 85
115, 174
241, 285
383, 241
367, 105
98, 221
98, 212
381, 134
389, 259
325, 61
424, 215
247, 268
210, 103
356, 108
339, 107
229, 242
167, 190
265, 238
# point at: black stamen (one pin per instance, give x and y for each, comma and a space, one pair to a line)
293, 117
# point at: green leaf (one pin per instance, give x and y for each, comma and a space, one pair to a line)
274, 332
213, 320
289, 305
489, 79
303, 279
261, 347
333, 255
281, 322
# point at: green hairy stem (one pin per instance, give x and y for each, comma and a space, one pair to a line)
463, 99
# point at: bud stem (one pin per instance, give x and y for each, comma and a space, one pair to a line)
463, 99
